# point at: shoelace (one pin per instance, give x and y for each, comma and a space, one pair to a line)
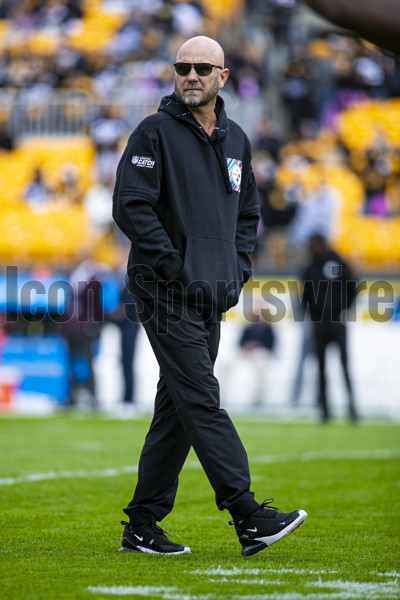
264, 505
267, 504
159, 530
153, 525
265, 508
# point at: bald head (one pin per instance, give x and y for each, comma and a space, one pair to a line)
201, 49
200, 91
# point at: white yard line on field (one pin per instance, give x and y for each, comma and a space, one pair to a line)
338, 590
129, 590
165, 593
377, 454
336, 455
81, 474
323, 590
89, 446
235, 571
386, 590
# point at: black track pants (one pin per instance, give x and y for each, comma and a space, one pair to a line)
187, 413
326, 333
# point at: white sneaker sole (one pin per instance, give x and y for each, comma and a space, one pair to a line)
268, 540
186, 550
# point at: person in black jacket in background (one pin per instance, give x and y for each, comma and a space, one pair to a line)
186, 197
329, 290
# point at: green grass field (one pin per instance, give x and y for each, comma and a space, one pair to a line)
65, 479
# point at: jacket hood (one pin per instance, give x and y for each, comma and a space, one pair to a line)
174, 107
328, 255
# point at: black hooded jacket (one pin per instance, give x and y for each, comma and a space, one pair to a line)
330, 287
188, 203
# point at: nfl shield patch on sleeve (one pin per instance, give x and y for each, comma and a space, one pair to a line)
143, 161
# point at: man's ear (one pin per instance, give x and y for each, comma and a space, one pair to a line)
223, 76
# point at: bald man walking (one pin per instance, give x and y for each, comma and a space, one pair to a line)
186, 198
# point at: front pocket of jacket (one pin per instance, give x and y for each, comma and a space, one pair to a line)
211, 267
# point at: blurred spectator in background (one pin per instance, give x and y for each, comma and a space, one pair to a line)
297, 93
106, 131
59, 13
277, 207
257, 343
329, 291
248, 65
317, 210
187, 17
97, 202
267, 138
307, 350
69, 187
82, 331
377, 174
124, 316
282, 11
6, 140
276, 15
37, 193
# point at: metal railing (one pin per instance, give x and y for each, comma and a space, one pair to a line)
73, 112
69, 112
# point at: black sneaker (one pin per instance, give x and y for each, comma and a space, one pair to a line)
265, 526
149, 538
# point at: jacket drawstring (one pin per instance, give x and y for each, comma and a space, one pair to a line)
223, 164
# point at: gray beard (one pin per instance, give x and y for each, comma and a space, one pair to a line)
197, 101
193, 102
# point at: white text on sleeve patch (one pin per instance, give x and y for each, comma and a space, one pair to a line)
143, 161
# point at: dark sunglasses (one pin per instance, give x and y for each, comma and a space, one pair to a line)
202, 69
